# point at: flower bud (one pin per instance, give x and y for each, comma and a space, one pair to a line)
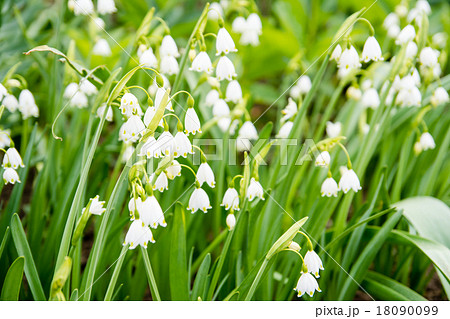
294, 246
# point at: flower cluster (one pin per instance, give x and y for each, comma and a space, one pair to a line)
26, 104
77, 93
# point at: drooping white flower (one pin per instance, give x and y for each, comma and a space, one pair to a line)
199, 200
225, 69
231, 221
215, 11
87, 87
101, 48
82, 7
401, 10
96, 207
285, 130
354, 93
249, 37
323, 159
248, 130
183, 145
151, 213
27, 105
106, 6
100, 23
191, 122
4, 138
226, 125
10, 176
132, 129
231, 199
371, 50
242, 144
304, 84
370, 99
407, 34
239, 25
423, 6
428, 57
161, 183
212, 97
233, 92
10, 102
349, 180
129, 105
151, 148
129, 150
158, 99
439, 39
168, 47
427, 142
70, 90
393, 31
440, 96
411, 50
138, 234
408, 95
206, 175
169, 65
348, 61
313, 263
307, 284
390, 20
255, 190
12, 159
333, 129
254, 23
290, 110
224, 42
202, 63
336, 54
3, 91
329, 187
173, 170
221, 108
166, 143
149, 114
148, 58
79, 100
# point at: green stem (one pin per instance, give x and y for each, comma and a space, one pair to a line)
115, 275
150, 276
257, 279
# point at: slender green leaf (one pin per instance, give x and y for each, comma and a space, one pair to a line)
13, 280
179, 289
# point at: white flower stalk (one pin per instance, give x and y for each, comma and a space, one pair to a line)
151, 213
166, 143
27, 105
411, 50
407, 34
96, 207
183, 145
87, 87
129, 150
221, 108
231, 221
371, 50
215, 11
333, 129
290, 110
349, 180
307, 284
248, 130
212, 97
323, 160
4, 138
255, 190
168, 47
230, 199
138, 234
169, 65
285, 130
82, 7
102, 48
370, 99
348, 61
313, 263
191, 122
354, 93
10, 102
10, 176
294, 246
161, 183
148, 58
224, 42
132, 129
329, 188
199, 200
106, 6
239, 25
158, 99
440, 96
427, 142
151, 148
233, 92
173, 170
225, 69
429, 57
149, 115
12, 159
336, 54
206, 175
202, 63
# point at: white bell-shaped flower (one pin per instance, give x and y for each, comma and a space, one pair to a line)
329, 188
4, 138
285, 130
148, 58
354, 93
183, 145
307, 284
349, 180
390, 20
212, 97
96, 207
323, 159
166, 143
313, 263
254, 23
225, 69
371, 50
10, 176
10, 102
242, 144
169, 65
202, 63
87, 87
427, 142
249, 37
255, 190
221, 108
333, 129
102, 48
27, 104
408, 97
191, 122
158, 99
206, 175
304, 84
161, 183
70, 90
106, 6
248, 130
230, 199
12, 159
138, 234
79, 100
168, 47
429, 57
127, 153
370, 98
151, 148
407, 34
215, 11
348, 61
173, 170
393, 31
231, 221
151, 213
336, 54
199, 200
129, 105
239, 25
224, 42
411, 50
82, 7
440, 96
439, 40
233, 92
294, 246
290, 110
149, 114
135, 127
